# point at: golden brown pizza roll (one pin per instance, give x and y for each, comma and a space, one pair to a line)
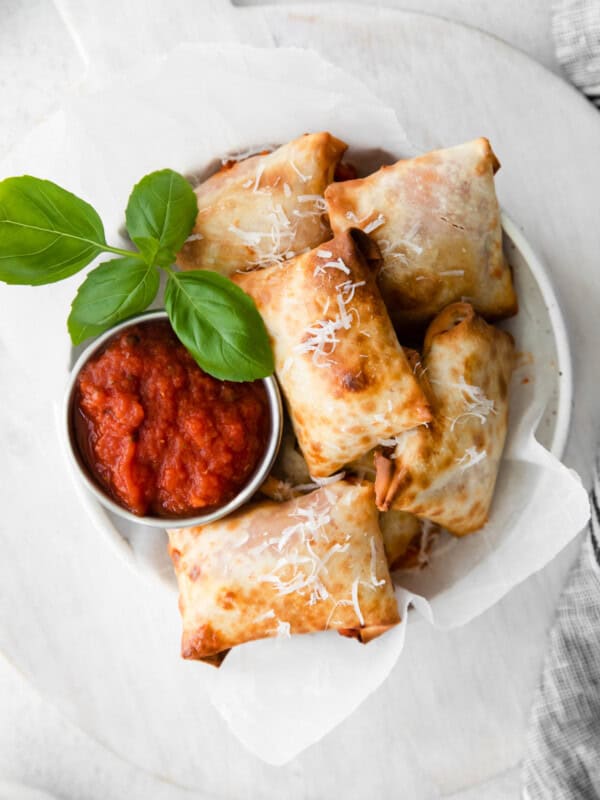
437, 222
275, 569
446, 472
345, 378
265, 209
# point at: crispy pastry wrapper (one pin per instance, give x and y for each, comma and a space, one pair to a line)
264, 209
446, 472
345, 378
310, 564
437, 222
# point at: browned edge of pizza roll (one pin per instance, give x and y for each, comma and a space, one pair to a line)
314, 563
345, 377
437, 222
264, 209
447, 471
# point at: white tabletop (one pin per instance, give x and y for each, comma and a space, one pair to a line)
40, 62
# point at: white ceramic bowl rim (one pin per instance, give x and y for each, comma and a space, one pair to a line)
559, 329
250, 488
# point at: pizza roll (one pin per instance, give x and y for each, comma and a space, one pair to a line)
276, 569
437, 222
446, 472
345, 378
265, 209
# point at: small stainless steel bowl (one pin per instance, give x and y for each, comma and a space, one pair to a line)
88, 479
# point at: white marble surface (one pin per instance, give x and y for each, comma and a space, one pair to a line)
39, 63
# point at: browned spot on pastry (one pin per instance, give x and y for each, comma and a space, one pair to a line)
226, 599
355, 382
194, 573
201, 643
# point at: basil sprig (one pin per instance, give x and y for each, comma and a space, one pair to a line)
47, 234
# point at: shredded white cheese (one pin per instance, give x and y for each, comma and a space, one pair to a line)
348, 289
249, 237
477, 404
317, 199
283, 629
322, 337
259, 171
303, 178
194, 237
376, 223
337, 264
355, 603
391, 442
306, 567
471, 457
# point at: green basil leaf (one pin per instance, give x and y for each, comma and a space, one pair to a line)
219, 324
160, 215
46, 233
112, 292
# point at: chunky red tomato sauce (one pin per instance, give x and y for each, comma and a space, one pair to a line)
160, 434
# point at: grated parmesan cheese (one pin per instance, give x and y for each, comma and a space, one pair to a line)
194, 237
376, 223
283, 629
317, 199
477, 404
337, 264
322, 338
259, 171
249, 237
303, 178
471, 457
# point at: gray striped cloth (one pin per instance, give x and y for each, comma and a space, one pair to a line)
576, 31
562, 760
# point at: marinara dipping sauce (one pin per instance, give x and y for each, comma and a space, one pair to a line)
162, 436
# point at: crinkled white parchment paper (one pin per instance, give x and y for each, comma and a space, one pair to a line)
183, 111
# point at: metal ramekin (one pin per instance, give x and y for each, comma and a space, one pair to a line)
84, 474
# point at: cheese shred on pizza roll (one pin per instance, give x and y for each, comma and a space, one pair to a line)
265, 209
346, 380
437, 222
446, 472
275, 569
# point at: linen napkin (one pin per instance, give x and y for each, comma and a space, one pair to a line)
563, 747
576, 30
